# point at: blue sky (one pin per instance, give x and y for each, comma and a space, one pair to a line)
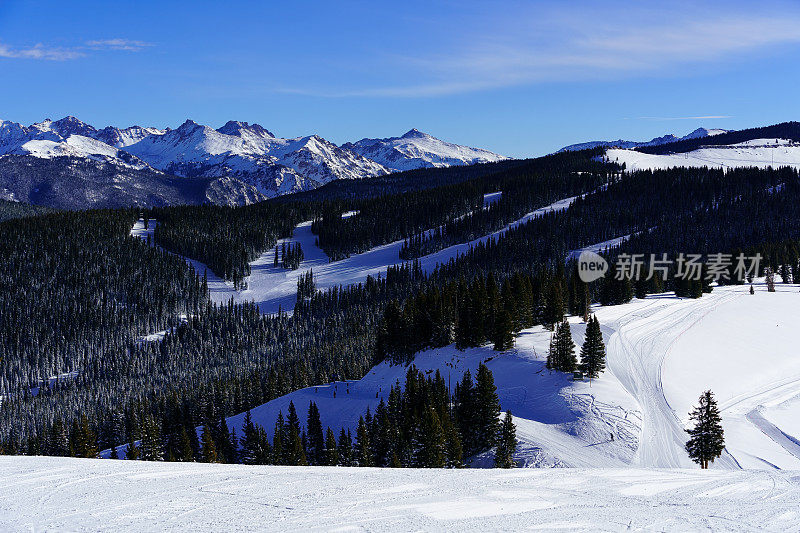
519, 78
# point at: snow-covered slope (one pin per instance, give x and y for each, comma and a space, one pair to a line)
754, 153
63, 494
668, 138
416, 149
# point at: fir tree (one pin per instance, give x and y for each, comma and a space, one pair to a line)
506, 443
315, 452
503, 337
707, 440
563, 349
593, 351
331, 451
488, 408
208, 450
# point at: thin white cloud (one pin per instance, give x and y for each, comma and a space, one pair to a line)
47, 53
40, 51
579, 44
118, 44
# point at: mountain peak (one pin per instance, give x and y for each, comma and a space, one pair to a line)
413, 133
235, 127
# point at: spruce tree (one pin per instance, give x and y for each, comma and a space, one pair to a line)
503, 336
707, 440
593, 351
563, 349
316, 438
506, 443
488, 409
208, 449
331, 451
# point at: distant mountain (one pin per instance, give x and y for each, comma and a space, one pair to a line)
253, 161
416, 150
669, 138
69, 182
254, 155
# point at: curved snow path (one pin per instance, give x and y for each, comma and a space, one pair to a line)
666, 351
636, 353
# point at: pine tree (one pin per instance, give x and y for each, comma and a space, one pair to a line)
562, 357
593, 351
506, 443
331, 451
345, 448
430, 452
316, 439
707, 440
132, 450
151, 447
466, 412
503, 336
249, 441
362, 444
208, 450
488, 408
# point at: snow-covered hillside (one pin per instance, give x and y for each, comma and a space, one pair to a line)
62, 494
273, 288
664, 139
755, 153
662, 353
416, 149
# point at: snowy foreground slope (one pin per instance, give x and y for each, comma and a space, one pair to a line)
662, 353
760, 153
48, 493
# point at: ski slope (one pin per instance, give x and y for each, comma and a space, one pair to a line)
663, 352
275, 288
63, 494
760, 153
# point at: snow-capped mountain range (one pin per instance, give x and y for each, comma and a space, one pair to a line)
248, 153
668, 138
416, 149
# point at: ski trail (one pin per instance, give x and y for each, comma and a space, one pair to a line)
636, 353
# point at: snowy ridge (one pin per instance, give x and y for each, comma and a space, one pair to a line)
668, 138
760, 153
416, 149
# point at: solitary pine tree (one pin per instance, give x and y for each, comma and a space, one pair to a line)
706, 440
593, 351
506, 443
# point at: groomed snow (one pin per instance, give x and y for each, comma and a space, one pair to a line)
62, 494
760, 153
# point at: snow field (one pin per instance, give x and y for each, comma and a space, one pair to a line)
53, 493
760, 153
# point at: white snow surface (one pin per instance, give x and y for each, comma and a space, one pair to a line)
760, 153
65, 494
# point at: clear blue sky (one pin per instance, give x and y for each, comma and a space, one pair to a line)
519, 78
